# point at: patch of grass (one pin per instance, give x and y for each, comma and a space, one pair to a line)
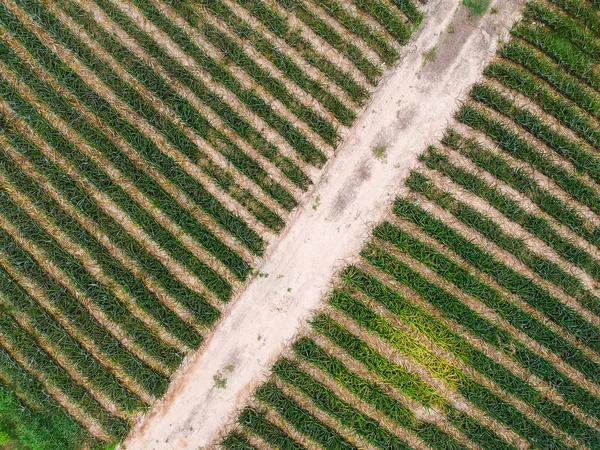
477, 8
41, 422
430, 55
380, 153
317, 202
220, 382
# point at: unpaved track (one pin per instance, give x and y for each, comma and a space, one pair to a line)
411, 107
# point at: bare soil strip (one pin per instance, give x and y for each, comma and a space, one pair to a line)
410, 107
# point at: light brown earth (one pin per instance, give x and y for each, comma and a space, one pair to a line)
411, 108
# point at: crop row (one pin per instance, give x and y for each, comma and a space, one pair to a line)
90, 210
129, 95
507, 205
145, 300
184, 109
344, 46
147, 149
105, 184
375, 391
489, 228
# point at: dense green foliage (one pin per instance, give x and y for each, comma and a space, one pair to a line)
148, 152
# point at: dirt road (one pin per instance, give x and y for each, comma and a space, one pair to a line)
411, 107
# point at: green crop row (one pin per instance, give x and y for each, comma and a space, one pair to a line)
70, 309
213, 281
46, 366
546, 69
41, 425
544, 267
371, 393
102, 182
141, 105
515, 145
581, 10
389, 18
256, 423
235, 54
357, 25
442, 369
408, 384
145, 299
523, 183
560, 108
562, 25
409, 8
187, 113
442, 336
100, 377
140, 142
561, 50
278, 26
236, 441
214, 101
371, 71
329, 402
535, 224
306, 149
195, 303
87, 285
279, 58
581, 158
511, 280
299, 418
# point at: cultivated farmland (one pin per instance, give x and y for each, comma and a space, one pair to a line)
471, 318
150, 152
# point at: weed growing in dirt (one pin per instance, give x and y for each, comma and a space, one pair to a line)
477, 8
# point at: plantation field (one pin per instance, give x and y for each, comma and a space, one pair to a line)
150, 152
471, 319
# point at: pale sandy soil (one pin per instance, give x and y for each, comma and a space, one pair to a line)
410, 109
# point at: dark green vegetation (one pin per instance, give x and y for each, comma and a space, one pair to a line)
149, 150
478, 298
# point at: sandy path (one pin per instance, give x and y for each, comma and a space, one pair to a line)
411, 107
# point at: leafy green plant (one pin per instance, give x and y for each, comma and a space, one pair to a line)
477, 8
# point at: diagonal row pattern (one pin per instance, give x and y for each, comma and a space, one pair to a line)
150, 151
